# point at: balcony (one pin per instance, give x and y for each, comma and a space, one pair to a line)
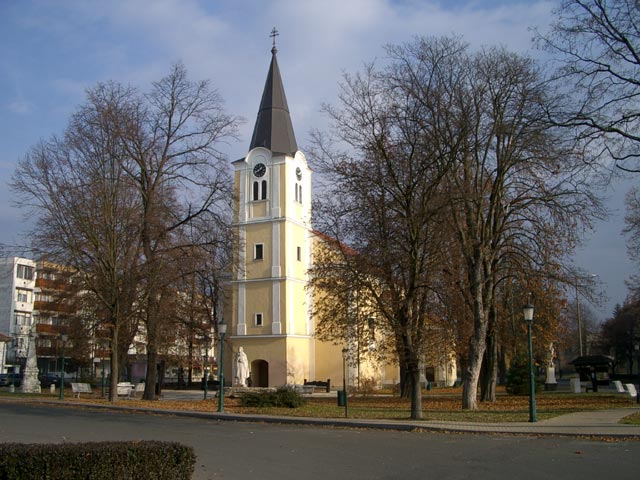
57, 307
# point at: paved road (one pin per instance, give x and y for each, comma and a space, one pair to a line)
239, 450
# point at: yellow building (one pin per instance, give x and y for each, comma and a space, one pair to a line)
270, 303
269, 309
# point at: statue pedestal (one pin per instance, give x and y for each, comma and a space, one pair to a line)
30, 382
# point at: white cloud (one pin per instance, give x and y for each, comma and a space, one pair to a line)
21, 106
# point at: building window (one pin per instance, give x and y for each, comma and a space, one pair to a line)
299, 253
23, 318
300, 193
264, 190
258, 319
258, 251
25, 272
256, 186
22, 296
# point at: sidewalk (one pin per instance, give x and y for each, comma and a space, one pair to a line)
599, 423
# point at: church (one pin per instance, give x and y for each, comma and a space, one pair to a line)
269, 307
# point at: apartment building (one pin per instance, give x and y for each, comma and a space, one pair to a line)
17, 285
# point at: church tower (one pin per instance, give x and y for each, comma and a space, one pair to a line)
270, 315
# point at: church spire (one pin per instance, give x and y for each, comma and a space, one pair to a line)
273, 129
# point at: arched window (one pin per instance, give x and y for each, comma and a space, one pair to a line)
255, 191
264, 190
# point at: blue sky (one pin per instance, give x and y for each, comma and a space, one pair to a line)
51, 51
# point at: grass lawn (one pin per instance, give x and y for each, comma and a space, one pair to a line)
438, 405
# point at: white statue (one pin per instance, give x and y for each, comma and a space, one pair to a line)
241, 368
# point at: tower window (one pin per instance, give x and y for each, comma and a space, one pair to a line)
258, 319
264, 190
299, 253
298, 194
258, 251
256, 187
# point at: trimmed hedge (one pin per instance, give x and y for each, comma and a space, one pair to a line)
283, 397
138, 460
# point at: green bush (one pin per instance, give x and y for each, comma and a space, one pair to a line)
97, 461
518, 378
283, 397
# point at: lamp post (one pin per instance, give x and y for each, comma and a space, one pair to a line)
63, 337
345, 355
528, 318
637, 349
205, 362
103, 380
222, 329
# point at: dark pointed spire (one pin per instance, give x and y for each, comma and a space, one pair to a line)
273, 129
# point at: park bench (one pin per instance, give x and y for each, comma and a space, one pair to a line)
125, 389
139, 388
326, 386
631, 390
78, 388
619, 386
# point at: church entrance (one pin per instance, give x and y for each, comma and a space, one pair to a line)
259, 373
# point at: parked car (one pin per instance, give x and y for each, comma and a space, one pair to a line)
48, 379
6, 378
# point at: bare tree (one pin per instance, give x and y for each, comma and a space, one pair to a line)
597, 46
174, 161
518, 187
86, 209
442, 129
386, 205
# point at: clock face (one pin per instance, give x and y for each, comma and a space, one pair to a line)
298, 173
259, 170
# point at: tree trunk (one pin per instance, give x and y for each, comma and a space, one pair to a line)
488, 390
477, 345
115, 364
489, 379
416, 393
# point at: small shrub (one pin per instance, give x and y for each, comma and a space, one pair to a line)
283, 397
518, 378
368, 386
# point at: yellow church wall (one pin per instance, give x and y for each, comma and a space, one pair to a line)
328, 363
296, 309
299, 356
259, 208
258, 233
258, 299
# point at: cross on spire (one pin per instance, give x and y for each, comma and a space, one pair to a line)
274, 33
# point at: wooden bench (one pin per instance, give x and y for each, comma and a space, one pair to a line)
78, 388
326, 386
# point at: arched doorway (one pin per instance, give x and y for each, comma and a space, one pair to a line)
259, 373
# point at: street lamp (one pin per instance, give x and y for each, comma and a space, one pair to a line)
103, 379
528, 318
63, 337
345, 355
222, 329
205, 362
637, 348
